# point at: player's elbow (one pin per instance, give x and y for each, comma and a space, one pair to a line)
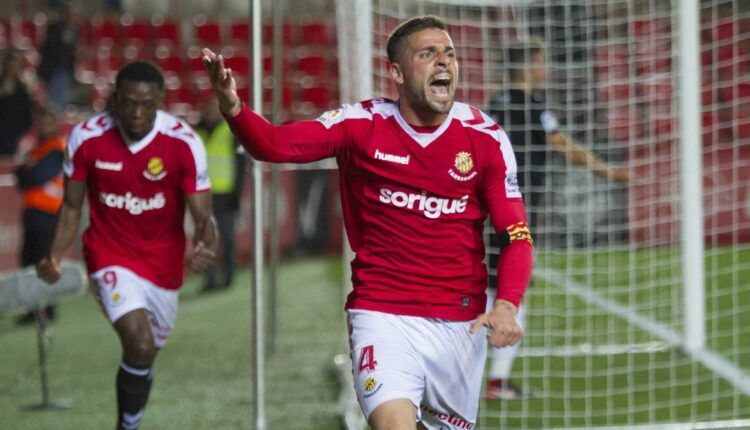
261, 150
267, 154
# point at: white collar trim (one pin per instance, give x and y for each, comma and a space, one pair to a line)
424, 139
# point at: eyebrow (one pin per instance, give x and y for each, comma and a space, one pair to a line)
433, 48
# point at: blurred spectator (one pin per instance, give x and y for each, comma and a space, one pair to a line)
57, 65
521, 110
40, 180
226, 170
15, 104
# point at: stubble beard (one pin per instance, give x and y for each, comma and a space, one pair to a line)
425, 101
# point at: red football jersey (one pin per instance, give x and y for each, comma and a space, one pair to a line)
414, 203
136, 194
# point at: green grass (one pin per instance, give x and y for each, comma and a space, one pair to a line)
628, 388
203, 373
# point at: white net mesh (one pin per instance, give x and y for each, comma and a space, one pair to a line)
605, 311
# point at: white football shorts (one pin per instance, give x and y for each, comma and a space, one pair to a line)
435, 363
119, 291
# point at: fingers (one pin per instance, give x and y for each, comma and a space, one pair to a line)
48, 271
215, 66
207, 54
203, 257
500, 334
505, 335
480, 322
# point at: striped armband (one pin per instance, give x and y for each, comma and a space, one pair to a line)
519, 231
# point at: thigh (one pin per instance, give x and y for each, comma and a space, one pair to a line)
119, 291
385, 364
454, 367
162, 307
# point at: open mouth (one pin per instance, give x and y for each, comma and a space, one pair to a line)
440, 85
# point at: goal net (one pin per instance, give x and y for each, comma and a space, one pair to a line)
620, 332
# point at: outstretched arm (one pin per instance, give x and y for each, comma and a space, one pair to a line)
581, 156
299, 142
206, 233
66, 226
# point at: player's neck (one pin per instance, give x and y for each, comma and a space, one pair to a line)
420, 118
130, 140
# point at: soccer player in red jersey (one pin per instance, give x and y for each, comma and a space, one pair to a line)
139, 167
418, 177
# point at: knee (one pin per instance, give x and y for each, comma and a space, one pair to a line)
141, 351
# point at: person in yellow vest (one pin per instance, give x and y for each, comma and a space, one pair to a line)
226, 170
40, 179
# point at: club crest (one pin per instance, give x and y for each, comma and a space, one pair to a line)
464, 166
464, 163
155, 169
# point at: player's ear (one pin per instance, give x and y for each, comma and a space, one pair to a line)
396, 73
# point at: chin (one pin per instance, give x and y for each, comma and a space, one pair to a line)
136, 135
441, 107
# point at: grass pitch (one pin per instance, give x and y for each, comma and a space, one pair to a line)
203, 373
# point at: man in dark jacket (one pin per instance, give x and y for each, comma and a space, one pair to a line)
15, 104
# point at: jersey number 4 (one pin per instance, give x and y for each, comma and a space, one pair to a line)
367, 358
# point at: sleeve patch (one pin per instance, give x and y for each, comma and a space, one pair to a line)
331, 117
511, 185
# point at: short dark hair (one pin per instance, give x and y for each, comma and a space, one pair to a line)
140, 71
518, 56
409, 27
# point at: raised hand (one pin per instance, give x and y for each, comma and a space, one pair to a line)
223, 82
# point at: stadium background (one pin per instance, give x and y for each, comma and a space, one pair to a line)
614, 65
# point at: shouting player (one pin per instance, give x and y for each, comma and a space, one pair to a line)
418, 177
140, 167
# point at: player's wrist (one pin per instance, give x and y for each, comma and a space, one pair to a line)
505, 304
231, 108
53, 258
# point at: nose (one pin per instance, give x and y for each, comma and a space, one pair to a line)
443, 59
139, 111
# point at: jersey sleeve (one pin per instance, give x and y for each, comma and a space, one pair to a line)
504, 203
499, 186
298, 142
74, 163
193, 161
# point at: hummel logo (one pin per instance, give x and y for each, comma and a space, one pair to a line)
108, 165
392, 158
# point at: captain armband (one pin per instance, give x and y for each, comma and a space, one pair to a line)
519, 231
